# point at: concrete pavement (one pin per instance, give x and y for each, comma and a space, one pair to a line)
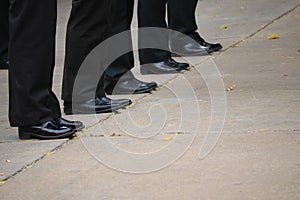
256, 157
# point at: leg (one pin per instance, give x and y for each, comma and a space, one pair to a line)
4, 6
87, 26
184, 23
32, 100
120, 21
187, 25
153, 14
118, 76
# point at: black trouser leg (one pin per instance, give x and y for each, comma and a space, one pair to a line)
32, 26
186, 22
120, 21
87, 26
152, 13
4, 6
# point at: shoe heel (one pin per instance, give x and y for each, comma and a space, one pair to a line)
24, 136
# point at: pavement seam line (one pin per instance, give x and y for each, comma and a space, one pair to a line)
260, 29
54, 150
49, 153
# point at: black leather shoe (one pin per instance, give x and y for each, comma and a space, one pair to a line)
183, 66
108, 101
46, 131
75, 125
4, 65
210, 47
166, 67
198, 48
129, 86
97, 105
190, 49
205, 45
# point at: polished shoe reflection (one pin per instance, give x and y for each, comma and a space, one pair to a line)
199, 47
74, 125
130, 86
209, 47
190, 49
183, 66
97, 105
47, 131
165, 67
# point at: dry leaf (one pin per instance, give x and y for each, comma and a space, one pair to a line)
223, 27
230, 88
299, 50
284, 75
140, 120
168, 138
8, 161
1, 174
273, 36
262, 130
49, 153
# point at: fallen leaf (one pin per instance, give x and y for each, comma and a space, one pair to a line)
273, 36
49, 153
1, 174
223, 27
262, 130
8, 161
168, 138
299, 50
230, 88
140, 121
2, 182
284, 75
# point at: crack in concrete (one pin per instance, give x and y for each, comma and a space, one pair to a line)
34, 162
261, 29
53, 151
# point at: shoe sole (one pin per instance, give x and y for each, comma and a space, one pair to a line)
75, 111
147, 72
124, 92
190, 55
80, 128
217, 49
28, 135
